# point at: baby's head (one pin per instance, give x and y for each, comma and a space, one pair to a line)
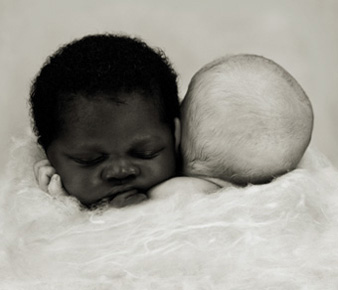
244, 120
104, 109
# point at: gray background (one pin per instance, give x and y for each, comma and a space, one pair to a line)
300, 35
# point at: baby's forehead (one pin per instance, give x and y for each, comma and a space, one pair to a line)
81, 107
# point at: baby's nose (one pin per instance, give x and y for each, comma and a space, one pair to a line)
120, 172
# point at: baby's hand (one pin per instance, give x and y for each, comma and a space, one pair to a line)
47, 178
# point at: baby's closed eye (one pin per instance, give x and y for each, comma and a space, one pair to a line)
88, 160
146, 154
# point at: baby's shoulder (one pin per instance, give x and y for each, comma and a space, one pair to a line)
183, 184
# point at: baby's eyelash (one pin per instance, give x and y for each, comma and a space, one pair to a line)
147, 154
88, 161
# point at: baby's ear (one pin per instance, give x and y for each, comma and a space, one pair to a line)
177, 132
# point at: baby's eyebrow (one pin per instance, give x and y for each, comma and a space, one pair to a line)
142, 141
83, 147
136, 142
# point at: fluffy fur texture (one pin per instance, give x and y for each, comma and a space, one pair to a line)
244, 119
281, 235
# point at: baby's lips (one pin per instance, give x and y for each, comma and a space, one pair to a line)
128, 198
136, 198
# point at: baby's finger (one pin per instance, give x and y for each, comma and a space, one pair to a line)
39, 164
55, 187
44, 176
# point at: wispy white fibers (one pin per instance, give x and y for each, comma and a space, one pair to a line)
281, 235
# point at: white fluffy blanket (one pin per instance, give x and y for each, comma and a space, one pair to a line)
282, 235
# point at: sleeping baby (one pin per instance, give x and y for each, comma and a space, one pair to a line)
245, 120
106, 112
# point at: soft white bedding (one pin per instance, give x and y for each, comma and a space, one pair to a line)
282, 235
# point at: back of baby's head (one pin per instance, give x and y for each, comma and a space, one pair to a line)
245, 120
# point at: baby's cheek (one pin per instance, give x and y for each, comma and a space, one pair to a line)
78, 184
158, 172
166, 168
72, 184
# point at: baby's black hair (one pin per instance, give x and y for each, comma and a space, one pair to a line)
102, 64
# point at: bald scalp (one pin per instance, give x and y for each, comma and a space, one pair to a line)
245, 119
